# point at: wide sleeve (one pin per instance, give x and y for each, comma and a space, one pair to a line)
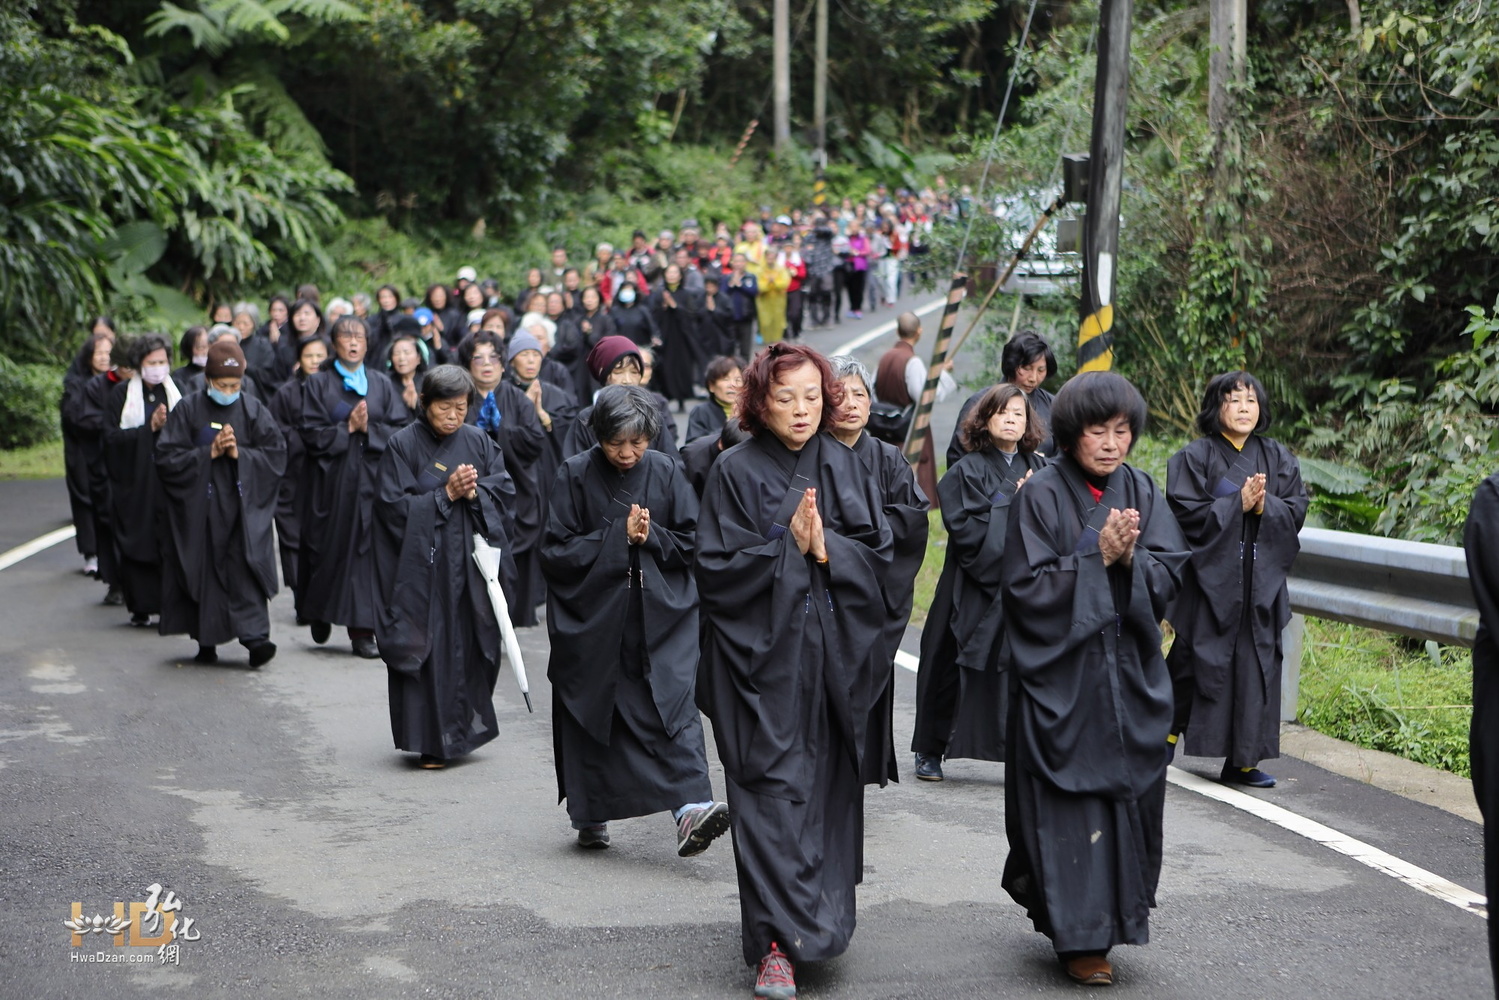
388, 413
670, 541
181, 462
1206, 520
262, 457
406, 519
1159, 562
325, 433
976, 519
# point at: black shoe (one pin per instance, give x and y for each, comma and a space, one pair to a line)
140, 621
261, 653
1251, 776
320, 632
929, 767
594, 838
206, 654
364, 646
113, 597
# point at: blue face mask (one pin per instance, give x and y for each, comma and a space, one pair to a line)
222, 398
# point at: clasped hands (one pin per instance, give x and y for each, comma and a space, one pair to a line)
463, 483
359, 417
224, 443
638, 525
806, 528
1252, 494
1116, 542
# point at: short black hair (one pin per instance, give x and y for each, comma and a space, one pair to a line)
189, 341
1023, 350
624, 411
1093, 398
1219, 388
469, 344
147, 343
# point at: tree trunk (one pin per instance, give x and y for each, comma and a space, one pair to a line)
1355, 18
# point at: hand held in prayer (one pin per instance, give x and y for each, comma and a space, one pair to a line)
463, 483
533, 393
638, 527
1116, 542
359, 418
1252, 494
158, 416
273, 330
1024, 479
218, 445
231, 446
410, 395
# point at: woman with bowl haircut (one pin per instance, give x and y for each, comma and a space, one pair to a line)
1093, 557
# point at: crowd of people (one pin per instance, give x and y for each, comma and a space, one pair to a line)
760, 573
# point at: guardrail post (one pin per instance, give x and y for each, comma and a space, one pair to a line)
1291, 642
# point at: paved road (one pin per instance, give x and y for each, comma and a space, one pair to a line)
315, 861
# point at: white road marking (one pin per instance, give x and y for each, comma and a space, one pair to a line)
1366, 854
884, 329
31, 548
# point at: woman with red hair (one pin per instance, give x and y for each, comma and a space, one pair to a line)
792, 547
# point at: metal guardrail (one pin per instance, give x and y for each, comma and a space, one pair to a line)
1414, 589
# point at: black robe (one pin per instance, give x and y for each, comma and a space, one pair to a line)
623, 625
137, 514
522, 441
697, 461
1226, 659
1085, 764
81, 448
286, 407
573, 343
262, 362
89, 413
970, 693
636, 322
793, 662
705, 418
906, 510
336, 561
1481, 542
682, 354
436, 627
562, 407
219, 568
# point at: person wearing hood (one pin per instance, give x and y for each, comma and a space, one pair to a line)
137, 411
617, 361
220, 457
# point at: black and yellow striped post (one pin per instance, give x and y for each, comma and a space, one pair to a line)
1095, 335
820, 189
922, 418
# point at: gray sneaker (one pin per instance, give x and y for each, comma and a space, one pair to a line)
700, 827
594, 838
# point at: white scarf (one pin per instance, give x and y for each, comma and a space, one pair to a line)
134, 414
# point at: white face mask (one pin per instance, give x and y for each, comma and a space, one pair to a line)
156, 374
627, 296
200, 359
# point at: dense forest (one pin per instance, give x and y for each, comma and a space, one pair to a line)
159, 155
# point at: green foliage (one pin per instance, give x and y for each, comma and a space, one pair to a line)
1363, 687
29, 397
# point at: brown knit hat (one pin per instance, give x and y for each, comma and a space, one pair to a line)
225, 359
606, 354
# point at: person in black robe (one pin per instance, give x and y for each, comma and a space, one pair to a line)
1481, 546
793, 549
190, 384
555, 411
622, 617
507, 415
962, 704
90, 418
405, 364
577, 333
449, 315
286, 408
1093, 556
724, 375
442, 481
675, 309
1239, 499
906, 509
698, 456
1026, 361
717, 320
137, 411
617, 361
348, 417
81, 444
632, 317
220, 458
193, 350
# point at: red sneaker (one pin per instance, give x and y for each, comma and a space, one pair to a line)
775, 980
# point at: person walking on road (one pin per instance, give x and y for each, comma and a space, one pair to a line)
900, 379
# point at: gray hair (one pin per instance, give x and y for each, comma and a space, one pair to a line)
361, 299
249, 309
446, 382
845, 365
219, 330
625, 411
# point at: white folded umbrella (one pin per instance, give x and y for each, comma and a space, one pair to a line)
487, 557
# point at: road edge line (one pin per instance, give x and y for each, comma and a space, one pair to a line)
884, 329
31, 548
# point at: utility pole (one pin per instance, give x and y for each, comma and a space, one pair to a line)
820, 106
1228, 25
781, 69
1095, 337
